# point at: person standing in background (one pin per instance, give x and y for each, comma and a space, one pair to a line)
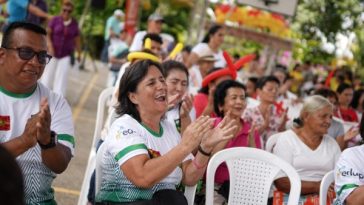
155, 23
18, 10
32, 18
112, 30
63, 38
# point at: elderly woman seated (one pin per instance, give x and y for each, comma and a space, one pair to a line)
145, 156
230, 100
307, 147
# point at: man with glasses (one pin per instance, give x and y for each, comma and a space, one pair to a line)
63, 39
35, 123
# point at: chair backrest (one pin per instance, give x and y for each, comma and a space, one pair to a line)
104, 97
98, 174
324, 186
190, 192
252, 172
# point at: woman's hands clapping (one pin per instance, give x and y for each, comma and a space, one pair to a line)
225, 130
195, 131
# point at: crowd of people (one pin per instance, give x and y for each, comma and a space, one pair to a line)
170, 114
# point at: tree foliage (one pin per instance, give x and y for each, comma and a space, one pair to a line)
322, 20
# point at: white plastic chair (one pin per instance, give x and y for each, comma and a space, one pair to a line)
104, 97
190, 192
98, 174
252, 172
326, 181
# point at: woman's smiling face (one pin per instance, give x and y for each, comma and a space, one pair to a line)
151, 93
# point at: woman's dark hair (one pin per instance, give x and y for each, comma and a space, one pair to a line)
355, 101
153, 37
264, 80
283, 69
342, 87
254, 80
221, 92
326, 93
205, 89
11, 178
133, 75
212, 31
170, 65
187, 49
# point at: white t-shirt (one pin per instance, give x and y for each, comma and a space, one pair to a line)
15, 110
195, 79
126, 139
202, 47
116, 47
137, 44
336, 128
349, 173
311, 165
173, 116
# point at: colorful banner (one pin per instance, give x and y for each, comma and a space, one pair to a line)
253, 18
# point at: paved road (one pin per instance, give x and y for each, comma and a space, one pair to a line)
83, 90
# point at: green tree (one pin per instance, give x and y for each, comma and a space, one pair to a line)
318, 20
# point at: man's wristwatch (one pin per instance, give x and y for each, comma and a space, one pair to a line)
52, 143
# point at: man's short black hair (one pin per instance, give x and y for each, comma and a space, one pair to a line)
7, 37
154, 37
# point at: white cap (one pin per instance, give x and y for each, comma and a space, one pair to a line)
206, 55
118, 12
155, 17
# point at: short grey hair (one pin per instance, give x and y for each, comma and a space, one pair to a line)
311, 105
314, 103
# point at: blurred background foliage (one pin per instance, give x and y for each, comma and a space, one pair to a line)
316, 22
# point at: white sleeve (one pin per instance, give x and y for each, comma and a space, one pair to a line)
283, 149
125, 141
199, 48
62, 122
137, 44
347, 176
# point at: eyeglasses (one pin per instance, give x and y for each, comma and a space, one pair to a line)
67, 10
27, 54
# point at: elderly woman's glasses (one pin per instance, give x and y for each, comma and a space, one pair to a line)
28, 53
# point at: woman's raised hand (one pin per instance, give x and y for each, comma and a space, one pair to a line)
195, 131
173, 100
186, 105
225, 130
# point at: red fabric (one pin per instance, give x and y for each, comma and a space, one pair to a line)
200, 102
4, 123
329, 77
229, 70
348, 115
280, 198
